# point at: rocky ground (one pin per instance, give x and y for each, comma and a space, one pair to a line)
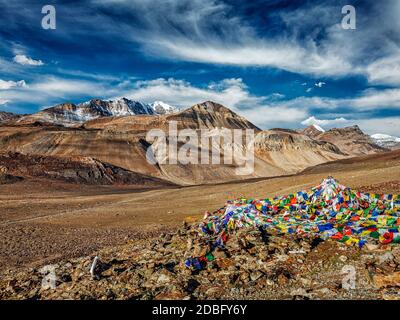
67, 225
254, 265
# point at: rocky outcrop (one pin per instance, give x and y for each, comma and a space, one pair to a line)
82, 170
351, 140
312, 131
253, 265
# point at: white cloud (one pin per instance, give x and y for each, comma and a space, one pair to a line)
27, 61
319, 84
5, 85
309, 90
324, 122
289, 56
54, 85
388, 125
367, 100
267, 116
233, 93
372, 99
51, 89
385, 70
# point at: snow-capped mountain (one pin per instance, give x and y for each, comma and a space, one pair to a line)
71, 114
113, 108
160, 107
386, 141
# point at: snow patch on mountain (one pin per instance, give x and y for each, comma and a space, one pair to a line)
318, 128
115, 108
70, 114
386, 141
160, 107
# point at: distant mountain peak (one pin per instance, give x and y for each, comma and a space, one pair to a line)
351, 140
71, 114
312, 131
210, 114
161, 107
386, 141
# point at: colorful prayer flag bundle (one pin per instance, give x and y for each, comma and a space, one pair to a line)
329, 210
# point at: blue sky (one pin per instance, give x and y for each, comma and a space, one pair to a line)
278, 63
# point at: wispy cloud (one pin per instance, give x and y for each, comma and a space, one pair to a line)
310, 40
88, 75
5, 85
27, 61
374, 99
385, 70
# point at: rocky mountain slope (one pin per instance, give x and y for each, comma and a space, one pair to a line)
210, 115
6, 116
122, 140
350, 140
82, 170
293, 151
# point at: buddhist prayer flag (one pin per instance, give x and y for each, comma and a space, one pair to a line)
329, 210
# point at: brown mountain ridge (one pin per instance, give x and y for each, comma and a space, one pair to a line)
121, 142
